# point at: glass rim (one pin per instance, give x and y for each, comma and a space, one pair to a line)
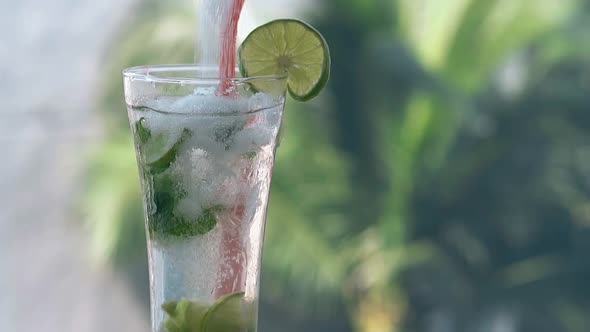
146, 73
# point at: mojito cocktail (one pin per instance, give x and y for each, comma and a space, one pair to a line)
205, 143
205, 163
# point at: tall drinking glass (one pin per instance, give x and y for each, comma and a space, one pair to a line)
205, 149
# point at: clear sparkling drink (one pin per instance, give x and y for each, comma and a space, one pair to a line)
205, 162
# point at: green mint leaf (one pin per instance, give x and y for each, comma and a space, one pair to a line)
164, 220
143, 133
226, 134
162, 163
166, 195
250, 155
158, 154
185, 227
208, 219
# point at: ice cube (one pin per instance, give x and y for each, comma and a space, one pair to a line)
195, 171
209, 104
229, 190
252, 139
210, 163
260, 101
162, 124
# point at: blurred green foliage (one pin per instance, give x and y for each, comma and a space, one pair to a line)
441, 183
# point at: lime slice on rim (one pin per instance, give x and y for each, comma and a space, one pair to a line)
292, 46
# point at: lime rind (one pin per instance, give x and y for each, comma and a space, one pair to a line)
229, 313
288, 45
226, 314
184, 315
162, 150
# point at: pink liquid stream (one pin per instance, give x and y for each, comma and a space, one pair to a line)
231, 245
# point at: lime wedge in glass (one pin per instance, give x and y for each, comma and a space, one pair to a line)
229, 313
161, 150
184, 315
290, 46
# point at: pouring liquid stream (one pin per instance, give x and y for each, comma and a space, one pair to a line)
218, 36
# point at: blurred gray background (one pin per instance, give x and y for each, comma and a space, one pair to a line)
50, 63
